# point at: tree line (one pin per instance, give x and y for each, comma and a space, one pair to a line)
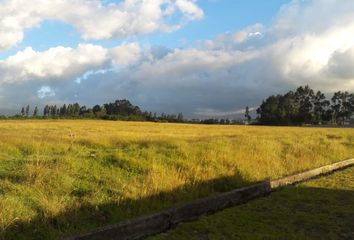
301, 106
117, 110
306, 106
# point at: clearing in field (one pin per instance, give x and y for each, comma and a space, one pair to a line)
63, 177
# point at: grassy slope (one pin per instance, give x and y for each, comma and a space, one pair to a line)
61, 177
319, 209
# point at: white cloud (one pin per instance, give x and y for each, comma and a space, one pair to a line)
93, 19
309, 42
90, 73
243, 39
305, 41
55, 63
126, 54
66, 63
312, 16
190, 9
182, 64
341, 64
247, 33
45, 91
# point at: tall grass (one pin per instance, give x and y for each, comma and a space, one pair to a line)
61, 177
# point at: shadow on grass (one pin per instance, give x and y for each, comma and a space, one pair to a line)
88, 217
292, 213
295, 212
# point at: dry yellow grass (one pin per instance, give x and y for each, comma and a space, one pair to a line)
61, 177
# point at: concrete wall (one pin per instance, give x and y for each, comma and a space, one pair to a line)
160, 222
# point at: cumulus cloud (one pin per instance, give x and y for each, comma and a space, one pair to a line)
310, 54
341, 64
309, 42
93, 19
190, 9
192, 66
55, 63
45, 91
253, 31
66, 63
126, 54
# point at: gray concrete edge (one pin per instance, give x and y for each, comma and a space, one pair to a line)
159, 222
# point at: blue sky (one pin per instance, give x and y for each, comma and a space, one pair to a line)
204, 58
221, 16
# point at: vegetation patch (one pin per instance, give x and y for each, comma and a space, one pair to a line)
319, 209
59, 178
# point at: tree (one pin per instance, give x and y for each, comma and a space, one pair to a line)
122, 107
304, 97
247, 115
320, 110
300, 107
35, 112
268, 112
96, 109
23, 111
27, 110
63, 110
342, 106
119, 109
53, 111
288, 109
99, 112
46, 110
76, 109
179, 117
69, 110
82, 110
210, 121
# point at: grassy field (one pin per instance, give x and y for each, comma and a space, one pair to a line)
319, 209
64, 177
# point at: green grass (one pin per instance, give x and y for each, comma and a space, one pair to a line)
319, 209
63, 177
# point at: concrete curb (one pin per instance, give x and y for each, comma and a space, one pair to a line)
160, 222
310, 174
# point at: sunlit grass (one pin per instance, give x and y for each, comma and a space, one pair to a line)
61, 177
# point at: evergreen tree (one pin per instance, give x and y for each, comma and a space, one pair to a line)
27, 110
321, 105
46, 110
69, 110
292, 108
304, 97
269, 111
35, 112
53, 111
342, 106
76, 109
23, 111
96, 109
63, 110
247, 115
179, 117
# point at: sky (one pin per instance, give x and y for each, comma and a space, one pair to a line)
205, 58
